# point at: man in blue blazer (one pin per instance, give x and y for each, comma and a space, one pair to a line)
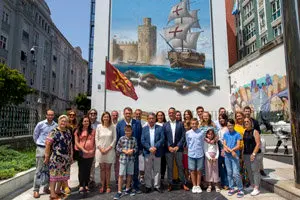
136, 132
174, 140
152, 141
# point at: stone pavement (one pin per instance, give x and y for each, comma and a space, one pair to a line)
176, 194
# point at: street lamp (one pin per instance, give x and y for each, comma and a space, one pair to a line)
33, 51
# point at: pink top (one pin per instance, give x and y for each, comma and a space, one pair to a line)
87, 142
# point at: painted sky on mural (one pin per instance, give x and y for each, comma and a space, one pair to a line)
128, 14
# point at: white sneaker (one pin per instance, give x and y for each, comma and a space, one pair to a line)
194, 189
255, 192
198, 190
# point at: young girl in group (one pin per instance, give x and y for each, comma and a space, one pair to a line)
211, 150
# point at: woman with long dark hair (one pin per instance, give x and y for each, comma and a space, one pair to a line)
85, 143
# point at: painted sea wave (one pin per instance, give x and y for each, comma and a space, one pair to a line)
164, 72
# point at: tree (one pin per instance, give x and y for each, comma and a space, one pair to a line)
82, 102
13, 87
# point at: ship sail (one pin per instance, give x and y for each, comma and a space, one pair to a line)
189, 43
177, 32
178, 11
193, 19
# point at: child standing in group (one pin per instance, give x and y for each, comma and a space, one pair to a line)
231, 144
195, 140
211, 150
127, 147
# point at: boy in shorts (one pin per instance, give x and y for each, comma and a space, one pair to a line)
127, 147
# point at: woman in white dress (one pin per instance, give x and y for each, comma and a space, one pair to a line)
105, 154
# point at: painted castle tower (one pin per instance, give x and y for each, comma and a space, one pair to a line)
140, 52
146, 41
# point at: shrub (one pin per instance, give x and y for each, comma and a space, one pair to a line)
13, 162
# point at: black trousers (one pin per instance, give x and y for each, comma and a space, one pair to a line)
84, 165
163, 166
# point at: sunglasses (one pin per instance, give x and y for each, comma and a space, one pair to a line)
71, 115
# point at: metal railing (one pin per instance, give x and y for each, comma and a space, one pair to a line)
17, 121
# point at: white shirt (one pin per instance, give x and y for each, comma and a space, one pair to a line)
152, 135
173, 128
129, 122
159, 124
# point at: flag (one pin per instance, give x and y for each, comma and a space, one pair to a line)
116, 81
235, 9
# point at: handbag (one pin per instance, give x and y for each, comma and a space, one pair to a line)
43, 175
78, 154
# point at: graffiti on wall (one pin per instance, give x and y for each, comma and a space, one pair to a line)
266, 94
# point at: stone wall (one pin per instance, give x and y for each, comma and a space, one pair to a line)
20, 142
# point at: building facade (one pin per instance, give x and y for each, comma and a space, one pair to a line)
32, 44
258, 78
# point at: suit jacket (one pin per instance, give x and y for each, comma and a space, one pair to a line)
158, 140
179, 136
136, 131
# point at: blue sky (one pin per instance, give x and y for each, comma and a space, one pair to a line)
72, 17
128, 14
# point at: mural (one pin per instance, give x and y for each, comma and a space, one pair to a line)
163, 43
266, 94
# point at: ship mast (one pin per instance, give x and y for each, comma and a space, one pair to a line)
181, 40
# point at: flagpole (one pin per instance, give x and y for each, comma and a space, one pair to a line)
108, 50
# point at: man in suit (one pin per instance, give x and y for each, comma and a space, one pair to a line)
174, 140
152, 141
136, 132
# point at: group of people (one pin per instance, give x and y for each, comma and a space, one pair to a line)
221, 154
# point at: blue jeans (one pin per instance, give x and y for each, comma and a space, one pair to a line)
233, 172
222, 171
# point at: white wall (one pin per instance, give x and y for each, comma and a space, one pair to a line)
161, 98
273, 62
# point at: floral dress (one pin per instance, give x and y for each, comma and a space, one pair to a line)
60, 159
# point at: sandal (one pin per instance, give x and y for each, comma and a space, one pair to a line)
81, 190
54, 198
208, 189
101, 190
108, 190
87, 190
217, 189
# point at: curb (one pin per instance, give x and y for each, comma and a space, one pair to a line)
282, 188
18, 181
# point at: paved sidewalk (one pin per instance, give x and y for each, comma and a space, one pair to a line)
176, 194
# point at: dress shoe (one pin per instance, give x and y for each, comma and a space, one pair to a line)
185, 188
36, 195
158, 190
46, 191
147, 190
169, 187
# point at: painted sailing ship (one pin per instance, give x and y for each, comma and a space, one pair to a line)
181, 39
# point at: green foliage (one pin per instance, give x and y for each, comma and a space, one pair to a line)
13, 162
13, 87
82, 102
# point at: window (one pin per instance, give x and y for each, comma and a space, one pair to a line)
275, 9
23, 56
36, 38
250, 30
3, 42
248, 10
2, 60
5, 17
251, 48
277, 30
25, 35
264, 40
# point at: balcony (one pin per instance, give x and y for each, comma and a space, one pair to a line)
276, 22
3, 53
249, 19
245, 2
251, 40
5, 27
